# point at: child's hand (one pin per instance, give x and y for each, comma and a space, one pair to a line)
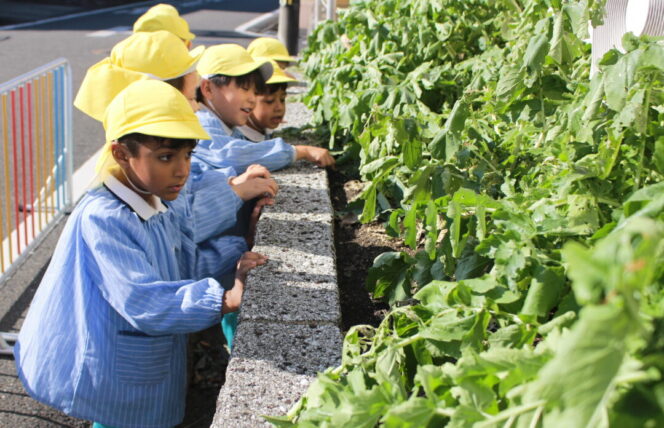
253, 219
316, 155
233, 297
256, 187
247, 262
254, 171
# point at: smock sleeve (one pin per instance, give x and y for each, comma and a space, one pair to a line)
219, 256
224, 150
212, 204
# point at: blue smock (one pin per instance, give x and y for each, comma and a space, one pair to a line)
105, 338
230, 148
212, 201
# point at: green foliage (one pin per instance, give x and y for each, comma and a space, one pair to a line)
531, 195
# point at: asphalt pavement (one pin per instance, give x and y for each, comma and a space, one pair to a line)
84, 39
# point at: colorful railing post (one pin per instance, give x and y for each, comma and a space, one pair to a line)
37, 158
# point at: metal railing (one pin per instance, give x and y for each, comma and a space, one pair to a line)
328, 7
37, 160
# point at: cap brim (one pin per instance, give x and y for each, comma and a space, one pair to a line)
195, 55
197, 52
266, 70
102, 82
280, 79
189, 36
283, 58
264, 67
184, 129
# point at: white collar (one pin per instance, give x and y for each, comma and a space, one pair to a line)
225, 127
252, 134
133, 199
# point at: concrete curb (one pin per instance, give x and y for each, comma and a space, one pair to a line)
289, 320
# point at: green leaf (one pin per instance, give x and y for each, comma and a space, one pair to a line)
388, 370
369, 210
634, 112
382, 165
454, 213
618, 79
590, 359
437, 145
557, 41
608, 153
653, 57
431, 226
450, 327
410, 224
582, 214
659, 155
510, 83
457, 117
536, 52
415, 413
389, 277
544, 292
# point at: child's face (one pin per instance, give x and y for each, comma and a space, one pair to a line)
270, 110
189, 88
233, 103
157, 169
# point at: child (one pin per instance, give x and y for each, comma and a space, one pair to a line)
227, 94
105, 337
161, 55
165, 17
267, 47
157, 55
270, 107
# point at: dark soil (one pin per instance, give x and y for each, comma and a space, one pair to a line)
208, 358
357, 246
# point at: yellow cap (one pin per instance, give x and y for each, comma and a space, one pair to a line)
278, 74
158, 55
164, 17
231, 60
267, 47
148, 107
154, 108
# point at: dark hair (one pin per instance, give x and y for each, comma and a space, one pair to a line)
131, 141
274, 88
244, 81
177, 83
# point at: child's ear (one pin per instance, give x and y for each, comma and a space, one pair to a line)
120, 154
205, 88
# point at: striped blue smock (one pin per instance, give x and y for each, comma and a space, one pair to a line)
105, 338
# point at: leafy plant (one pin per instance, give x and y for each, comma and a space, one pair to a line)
530, 192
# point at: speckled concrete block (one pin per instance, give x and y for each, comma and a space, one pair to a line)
285, 298
271, 367
289, 319
304, 349
254, 388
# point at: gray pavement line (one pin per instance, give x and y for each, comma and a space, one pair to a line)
249, 27
74, 15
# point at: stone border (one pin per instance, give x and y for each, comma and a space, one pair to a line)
289, 320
